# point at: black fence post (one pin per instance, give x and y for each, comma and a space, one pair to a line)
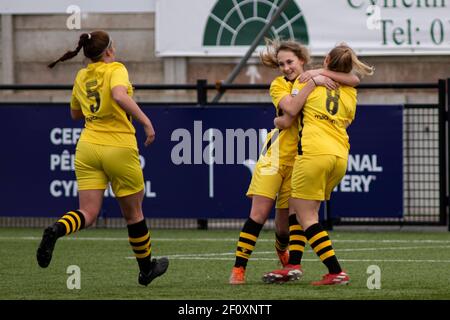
442, 154
202, 224
447, 152
202, 92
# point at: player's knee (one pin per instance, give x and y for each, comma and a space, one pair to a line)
259, 215
90, 215
133, 216
133, 220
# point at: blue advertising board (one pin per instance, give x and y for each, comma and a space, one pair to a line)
199, 166
373, 184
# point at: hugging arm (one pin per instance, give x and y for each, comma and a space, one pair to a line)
348, 79
284, 121
292, 105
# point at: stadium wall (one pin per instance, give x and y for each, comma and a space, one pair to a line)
37, 39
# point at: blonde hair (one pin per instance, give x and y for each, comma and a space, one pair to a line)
343, 59
269, 57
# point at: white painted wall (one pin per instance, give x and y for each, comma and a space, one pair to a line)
60, 6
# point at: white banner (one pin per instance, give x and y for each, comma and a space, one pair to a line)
87, 6
370, 27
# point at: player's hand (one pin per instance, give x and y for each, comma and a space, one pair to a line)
150, 135
307, 75
276, 123
326, 82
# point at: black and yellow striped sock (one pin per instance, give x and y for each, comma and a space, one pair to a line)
321, 244
139, 238
247, 242
281, 242
297, 241
70, 222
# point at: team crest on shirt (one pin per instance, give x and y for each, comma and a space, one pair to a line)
295, 92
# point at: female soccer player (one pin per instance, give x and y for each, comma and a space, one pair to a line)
271, 178
106, 152
321, 162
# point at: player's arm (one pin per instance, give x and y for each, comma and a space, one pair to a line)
292, 105
284, 121
348, 79
75, 109
120, 95
76, 114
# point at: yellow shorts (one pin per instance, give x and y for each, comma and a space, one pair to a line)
96, 165
273, 183
314, 177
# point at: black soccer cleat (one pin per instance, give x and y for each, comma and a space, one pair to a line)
45, 250
158, 268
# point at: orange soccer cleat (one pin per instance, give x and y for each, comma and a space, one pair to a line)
289, 273
237, 275
333, 278
284, 257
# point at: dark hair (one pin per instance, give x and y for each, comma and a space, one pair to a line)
269, 57
343, 59
94, 45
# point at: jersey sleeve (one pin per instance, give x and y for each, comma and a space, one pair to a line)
74, 102
297, 87
119, 77
278, 90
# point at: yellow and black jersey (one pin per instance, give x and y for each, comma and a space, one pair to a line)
105, 121
281, 145
324, 120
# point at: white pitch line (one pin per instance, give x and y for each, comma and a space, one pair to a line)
396, 260
391, 241
222, 240
309, 250
216, 256
310, 260
391, 248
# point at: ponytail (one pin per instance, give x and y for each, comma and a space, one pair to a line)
343, 59
84, 38
362, 68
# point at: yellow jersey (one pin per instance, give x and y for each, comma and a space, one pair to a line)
281, 145
324, 120
106, 122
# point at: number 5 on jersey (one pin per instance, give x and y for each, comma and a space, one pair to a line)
91, 93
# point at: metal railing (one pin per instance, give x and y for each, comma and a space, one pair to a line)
202, 87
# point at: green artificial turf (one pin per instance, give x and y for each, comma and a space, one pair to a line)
413, 265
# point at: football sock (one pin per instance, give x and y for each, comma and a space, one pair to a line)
70, 222
247, 241
297, 241
139, 238
321, 244
281, 243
